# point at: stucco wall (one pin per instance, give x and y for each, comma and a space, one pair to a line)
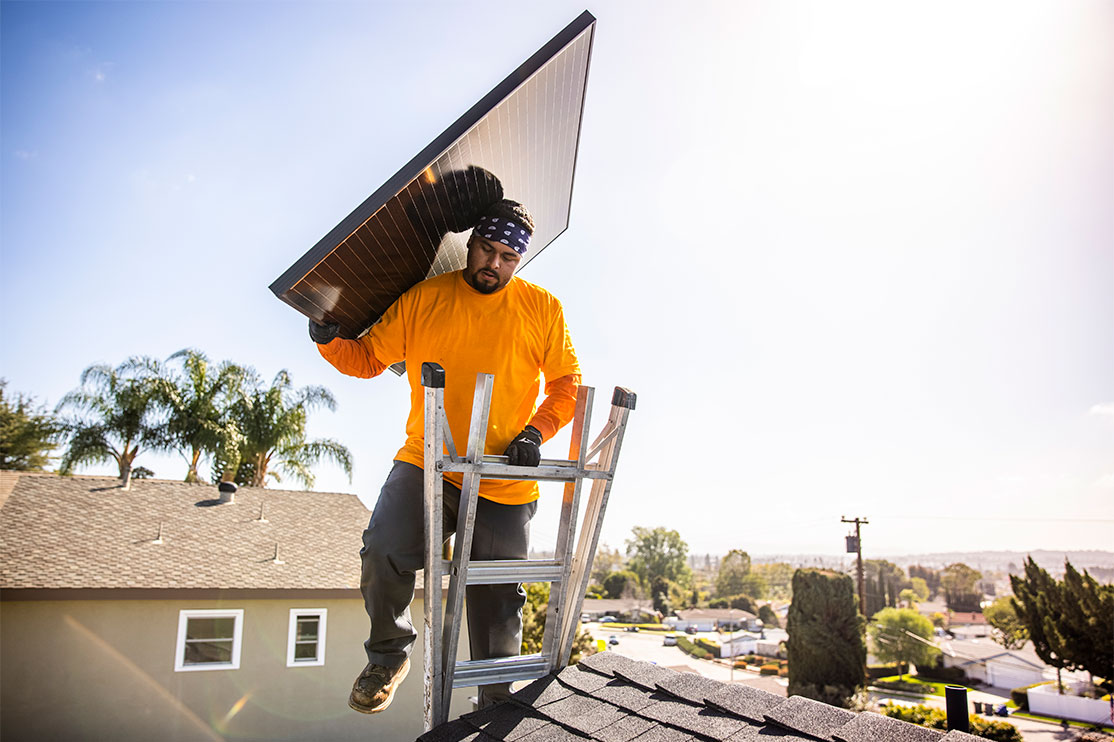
104, 669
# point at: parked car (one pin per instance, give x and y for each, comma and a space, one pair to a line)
690, 629
631, 628
613, 640
608, 619
670, 640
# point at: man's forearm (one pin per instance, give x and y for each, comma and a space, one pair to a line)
558, 407
352, 357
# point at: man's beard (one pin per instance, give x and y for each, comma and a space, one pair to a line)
483, 288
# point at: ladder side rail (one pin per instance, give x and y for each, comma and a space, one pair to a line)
566, 530
433, 379
623, 401
465, 528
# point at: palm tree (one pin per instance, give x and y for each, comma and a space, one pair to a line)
113, 415
272, 425
198, 402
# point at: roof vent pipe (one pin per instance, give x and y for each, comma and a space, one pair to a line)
958, 715
227, 492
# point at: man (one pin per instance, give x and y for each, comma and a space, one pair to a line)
479, 319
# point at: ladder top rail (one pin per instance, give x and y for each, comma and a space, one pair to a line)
433, 375
622, 397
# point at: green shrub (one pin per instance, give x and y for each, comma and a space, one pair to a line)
873, 672
933, 718
689, 648
768, 670
953, 675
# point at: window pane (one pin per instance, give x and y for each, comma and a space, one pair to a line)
210, 628
305, 651
307, 628
203, 652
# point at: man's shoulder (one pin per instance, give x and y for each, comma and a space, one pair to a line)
528, 291
438, 283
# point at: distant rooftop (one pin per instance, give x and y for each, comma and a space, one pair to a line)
86, 532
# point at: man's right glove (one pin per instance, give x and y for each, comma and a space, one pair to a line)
323, 334
525, 449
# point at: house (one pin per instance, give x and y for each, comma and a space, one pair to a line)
712, 619
609, 698
739, 642
771, 641
968, 625
991, 663
161, 612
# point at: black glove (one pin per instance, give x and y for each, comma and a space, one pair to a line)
323, 334
525, 449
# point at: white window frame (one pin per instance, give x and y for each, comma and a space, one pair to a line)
322, 615
237, 635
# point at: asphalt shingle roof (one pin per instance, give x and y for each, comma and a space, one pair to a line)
610, 698
86, 532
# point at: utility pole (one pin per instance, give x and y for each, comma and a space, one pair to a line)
855, 544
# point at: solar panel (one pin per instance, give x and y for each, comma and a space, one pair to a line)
519, 142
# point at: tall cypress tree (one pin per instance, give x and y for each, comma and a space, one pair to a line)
1087, 623
1038, 601
827, 653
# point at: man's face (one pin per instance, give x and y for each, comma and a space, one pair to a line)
490, 264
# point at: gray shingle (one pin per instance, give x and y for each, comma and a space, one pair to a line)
871, 727
541, 691
506, 721
583, 713
742, 700
957, 736
814, 718
624, 730
696, 719
584, 681
690, 686
553, 733
664, 734
764, 733
623, 694
644, 674
604, 662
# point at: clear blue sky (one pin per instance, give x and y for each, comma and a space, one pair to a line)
856, 258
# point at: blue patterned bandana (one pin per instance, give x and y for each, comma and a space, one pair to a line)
510, 233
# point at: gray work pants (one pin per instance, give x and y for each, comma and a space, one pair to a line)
394, 549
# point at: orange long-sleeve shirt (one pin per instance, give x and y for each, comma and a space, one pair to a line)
518, 334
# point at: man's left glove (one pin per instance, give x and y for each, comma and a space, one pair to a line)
323, 334
525, 449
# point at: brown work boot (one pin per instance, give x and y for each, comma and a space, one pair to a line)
373, 690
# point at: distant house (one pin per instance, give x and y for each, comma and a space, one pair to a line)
739, 642
770, 643
991, 663
162, 613
712, 619
968, 625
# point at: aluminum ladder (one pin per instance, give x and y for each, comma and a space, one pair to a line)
568, 572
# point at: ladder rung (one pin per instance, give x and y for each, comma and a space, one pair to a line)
500, 670
546, 471
503, 571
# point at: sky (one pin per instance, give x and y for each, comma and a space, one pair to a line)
855, 258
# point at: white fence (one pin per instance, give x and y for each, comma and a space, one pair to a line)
1047, 701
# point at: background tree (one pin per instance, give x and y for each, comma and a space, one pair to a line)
884, 580
533, 624
768, 617
827, 655
904, 637
271, 425
919, 588
959, 584
27, 432
930, 576
623, 584
1009, 629
113, 416
1087, 624
658, 552
754, 585
606, 561
733, 569
778, 577
1038, 600
198, 398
